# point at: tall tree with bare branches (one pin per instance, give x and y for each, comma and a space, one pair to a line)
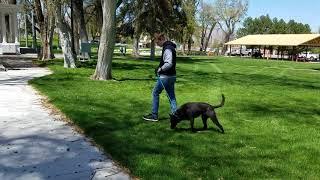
208, 20
230, 12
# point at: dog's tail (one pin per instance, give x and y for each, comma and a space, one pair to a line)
221, 104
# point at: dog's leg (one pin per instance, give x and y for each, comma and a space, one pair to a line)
214, 119
204, 120
191, 124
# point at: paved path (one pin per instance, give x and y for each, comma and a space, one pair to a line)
34, 145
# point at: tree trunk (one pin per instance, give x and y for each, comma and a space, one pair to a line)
107, 40
79, 12
208, 38
135, 51
50, 47
76, 35
34, 34
44, 25
152, 49
65, 39
226, 39
189, 44
203, 36
183, 48
99, 12
80, 26
44, 46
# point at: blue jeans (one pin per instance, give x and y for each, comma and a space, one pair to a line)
168, 84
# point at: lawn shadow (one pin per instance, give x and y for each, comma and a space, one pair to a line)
134, 79
198, 130
60, 156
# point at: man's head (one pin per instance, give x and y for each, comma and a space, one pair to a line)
159, 39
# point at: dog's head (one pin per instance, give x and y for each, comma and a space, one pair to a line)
174, 119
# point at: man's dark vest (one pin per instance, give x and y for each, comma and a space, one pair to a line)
172, 70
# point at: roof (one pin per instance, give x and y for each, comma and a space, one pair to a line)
9, 8
278, 40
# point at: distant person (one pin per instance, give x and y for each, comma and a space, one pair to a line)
122, 51
166, 73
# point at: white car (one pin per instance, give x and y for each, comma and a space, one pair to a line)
236, 52
309, 56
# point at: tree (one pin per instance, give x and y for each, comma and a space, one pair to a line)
208, 22
46, 23
264, 25
261, 25
136, 17
147, 19
65, 35
93, 10
230, 12
81, 30
107, 41
190, 9
127, 25
151, 16
297, 28
279, 26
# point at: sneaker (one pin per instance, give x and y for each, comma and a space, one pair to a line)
150, 117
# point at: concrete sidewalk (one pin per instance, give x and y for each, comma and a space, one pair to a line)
35, 145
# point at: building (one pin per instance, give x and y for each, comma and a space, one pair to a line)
9, 35
278, 45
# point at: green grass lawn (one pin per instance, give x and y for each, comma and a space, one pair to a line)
271, 117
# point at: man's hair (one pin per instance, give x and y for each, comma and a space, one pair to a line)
160, 36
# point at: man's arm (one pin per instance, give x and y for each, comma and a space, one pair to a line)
167, 58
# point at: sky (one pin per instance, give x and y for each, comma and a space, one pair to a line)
303, 11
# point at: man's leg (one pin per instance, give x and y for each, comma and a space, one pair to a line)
155, 102
169, 84
155, 97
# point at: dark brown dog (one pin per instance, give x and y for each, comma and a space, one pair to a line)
189, 111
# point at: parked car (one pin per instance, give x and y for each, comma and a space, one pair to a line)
257, 54
245, 52
308, 56
233, 52
236, 52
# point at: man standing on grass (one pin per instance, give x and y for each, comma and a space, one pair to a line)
166, 73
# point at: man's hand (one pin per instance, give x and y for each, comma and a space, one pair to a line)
157, 71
